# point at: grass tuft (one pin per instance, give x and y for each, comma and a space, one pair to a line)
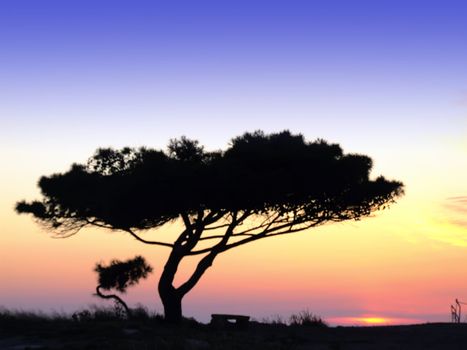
306, 318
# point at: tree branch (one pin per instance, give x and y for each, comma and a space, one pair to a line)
95, 223
266, 224
186, 221
264, 234
163, 244
221, 236
115, 298
215, 227
207, 261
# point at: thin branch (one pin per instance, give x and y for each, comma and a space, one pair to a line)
206, 261
292, 230
163, 244
200, 216
95, 223
69, 234
222, 236
186, 221
215, 227
192, 238
236, 221
274, 221
266, 224
266, 234
114, 297
263, 234
215, 217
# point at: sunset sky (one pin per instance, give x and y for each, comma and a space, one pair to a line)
384, 78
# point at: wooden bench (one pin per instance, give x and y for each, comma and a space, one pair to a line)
225, 321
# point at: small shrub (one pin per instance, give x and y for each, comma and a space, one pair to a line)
307, 319
81, 316
142, 314
120, 275
277, 320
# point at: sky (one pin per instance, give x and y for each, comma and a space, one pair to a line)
383, 78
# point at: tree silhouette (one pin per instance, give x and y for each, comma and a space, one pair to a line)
120, 275
260, 186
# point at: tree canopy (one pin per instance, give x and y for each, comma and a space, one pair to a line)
283, 182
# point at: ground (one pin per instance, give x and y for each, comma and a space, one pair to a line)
150, 333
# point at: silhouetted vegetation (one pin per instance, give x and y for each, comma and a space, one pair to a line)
101, 329
260, 186
307, 319
120, 275
303, 318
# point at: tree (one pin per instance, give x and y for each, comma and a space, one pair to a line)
120, 275
260, 186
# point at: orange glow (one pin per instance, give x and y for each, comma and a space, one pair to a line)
363, 321
371, 320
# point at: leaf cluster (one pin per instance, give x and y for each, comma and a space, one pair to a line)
120, 275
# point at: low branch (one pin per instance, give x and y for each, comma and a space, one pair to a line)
115, 298
163, 244
216, 227
221, 236
95, 223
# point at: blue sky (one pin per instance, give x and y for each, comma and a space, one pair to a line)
182, 67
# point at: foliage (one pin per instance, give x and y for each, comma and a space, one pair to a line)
307, 319
304, 318
302, 182
277, 320
120, 275
260, 186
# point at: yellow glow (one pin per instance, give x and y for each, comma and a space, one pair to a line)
373, 320
370, 320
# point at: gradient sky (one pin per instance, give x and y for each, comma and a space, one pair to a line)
383, 78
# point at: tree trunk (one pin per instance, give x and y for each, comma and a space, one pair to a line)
115, 298
172, 303
170, 297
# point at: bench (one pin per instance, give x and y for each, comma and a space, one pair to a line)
225, 321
